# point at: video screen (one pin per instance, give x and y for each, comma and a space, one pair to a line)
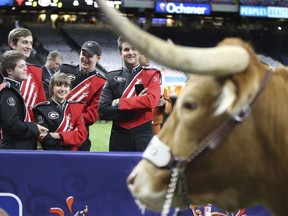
6, 3
52, 3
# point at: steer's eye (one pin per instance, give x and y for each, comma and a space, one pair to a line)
190, 106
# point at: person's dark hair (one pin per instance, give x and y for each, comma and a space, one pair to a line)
9, 60
59, 79
54, 54
16, 33
120, 42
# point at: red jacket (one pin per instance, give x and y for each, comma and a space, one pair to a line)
66, 119
133, 110
86, 88
32, 89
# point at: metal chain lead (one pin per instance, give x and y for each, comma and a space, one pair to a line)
170, 192
183, 190
227, 125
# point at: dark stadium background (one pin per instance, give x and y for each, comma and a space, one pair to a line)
65, 28
64, 25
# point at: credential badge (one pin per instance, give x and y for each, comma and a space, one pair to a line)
11, 102
40, 119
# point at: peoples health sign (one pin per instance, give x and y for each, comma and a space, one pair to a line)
270, 12
182, 8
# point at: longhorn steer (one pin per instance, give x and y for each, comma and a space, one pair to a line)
249, 165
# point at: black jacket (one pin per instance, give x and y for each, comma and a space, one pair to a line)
16, 133
46, 77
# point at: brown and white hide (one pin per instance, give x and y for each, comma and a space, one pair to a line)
249, 165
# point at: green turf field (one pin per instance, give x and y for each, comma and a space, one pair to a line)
99, 136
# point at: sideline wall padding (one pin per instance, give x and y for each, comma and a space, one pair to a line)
33, 182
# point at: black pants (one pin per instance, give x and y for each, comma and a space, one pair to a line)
135, 139
87, 143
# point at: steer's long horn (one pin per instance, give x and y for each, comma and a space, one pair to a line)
218, 61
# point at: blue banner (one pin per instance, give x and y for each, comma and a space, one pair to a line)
6, 2
277, 12
263, 11
182, 8
40, 183
253, 11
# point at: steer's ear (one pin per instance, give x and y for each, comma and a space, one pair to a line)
234, 101
226, 98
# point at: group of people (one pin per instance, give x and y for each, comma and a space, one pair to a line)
55, 105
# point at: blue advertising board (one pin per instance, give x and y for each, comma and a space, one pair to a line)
47, 183
6, 2
182, 8
255, 11
264, 11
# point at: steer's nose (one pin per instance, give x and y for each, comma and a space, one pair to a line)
131, 178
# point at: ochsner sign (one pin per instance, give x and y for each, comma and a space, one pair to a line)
182, 8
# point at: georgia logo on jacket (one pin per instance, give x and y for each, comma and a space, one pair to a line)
53, 115
71, 77
119, 79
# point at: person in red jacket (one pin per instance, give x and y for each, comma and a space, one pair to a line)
32, 89
87, 83
164, 106
64, 119
17, 131
130, 107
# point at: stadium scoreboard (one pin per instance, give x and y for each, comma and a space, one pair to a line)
245, 8
65, 4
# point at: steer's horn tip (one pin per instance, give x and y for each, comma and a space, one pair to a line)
170, 41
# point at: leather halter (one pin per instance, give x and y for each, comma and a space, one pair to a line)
159, 154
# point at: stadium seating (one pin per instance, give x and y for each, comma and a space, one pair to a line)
276, 3
52, 40
4, 29
68, 41
103, 35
